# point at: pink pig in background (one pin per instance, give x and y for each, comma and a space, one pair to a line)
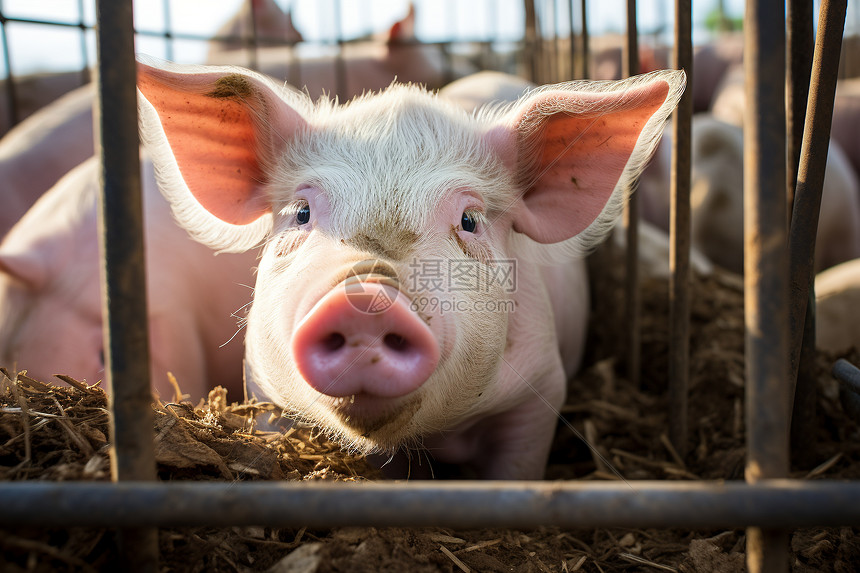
50, 306
359, 205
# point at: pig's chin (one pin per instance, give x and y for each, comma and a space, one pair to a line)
379, 423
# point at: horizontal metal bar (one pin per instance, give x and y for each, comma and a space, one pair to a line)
848, 374
769, 503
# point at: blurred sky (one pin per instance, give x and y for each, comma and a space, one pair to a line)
41, 47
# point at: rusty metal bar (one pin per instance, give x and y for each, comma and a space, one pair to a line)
632, 293
572, 48
586, 53
10, 79
679, 231
849, 376
531, 35
807, 202
124, 281
765, 268
798, 69
773, 503
340, 64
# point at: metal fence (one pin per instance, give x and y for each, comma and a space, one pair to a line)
777, 284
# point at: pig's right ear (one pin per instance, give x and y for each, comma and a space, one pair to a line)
213, 134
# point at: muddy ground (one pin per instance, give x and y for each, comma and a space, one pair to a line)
49, 433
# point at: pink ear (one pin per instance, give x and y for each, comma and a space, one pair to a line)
572, 149
211, 133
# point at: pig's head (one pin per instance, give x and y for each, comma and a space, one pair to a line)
366, 209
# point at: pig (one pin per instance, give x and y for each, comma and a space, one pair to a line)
35, 91
837, 298
846, 119
271, 26
486, 87
50, 305
367, 66
717, 197
711, 63
394, 228
43, 148
729, 100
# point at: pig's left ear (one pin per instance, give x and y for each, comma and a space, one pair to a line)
576, 147
213, 134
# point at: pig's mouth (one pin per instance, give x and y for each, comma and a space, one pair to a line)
373, 417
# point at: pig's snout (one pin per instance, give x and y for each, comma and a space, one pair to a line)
363, 338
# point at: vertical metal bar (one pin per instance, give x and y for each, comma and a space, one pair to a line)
85, 54
765, 267
679, 230
168, 31
340, 63
799, 68
252, 41
572, 50
632, 294
807, 203
585, 50
124, 281
11, 92
531, 41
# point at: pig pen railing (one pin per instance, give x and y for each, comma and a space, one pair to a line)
768, 503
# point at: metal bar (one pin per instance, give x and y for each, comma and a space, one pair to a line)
123, 274
531, 41
679, 231
11, 92
85, 55
784, 503
765, 268
168, 31
807, 201
572, 26
632, 293
253, 40
849, 376
585, 50
799, 69
340, 79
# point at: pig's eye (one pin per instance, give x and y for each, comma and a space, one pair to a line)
303, 215
468, 222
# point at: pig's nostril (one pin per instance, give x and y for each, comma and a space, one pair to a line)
396, 342
334, 341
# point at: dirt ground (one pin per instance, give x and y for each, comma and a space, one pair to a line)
50, 433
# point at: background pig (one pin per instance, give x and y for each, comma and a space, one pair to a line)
262, 19
367, 66
717, 197
482, 88
378, 217
43, 148
846, 119
50, 308
837, 298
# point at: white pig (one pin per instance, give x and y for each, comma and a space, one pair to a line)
367, 65
50, 307
716, 197
271, 24
837, 298
43, 148
399, 299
